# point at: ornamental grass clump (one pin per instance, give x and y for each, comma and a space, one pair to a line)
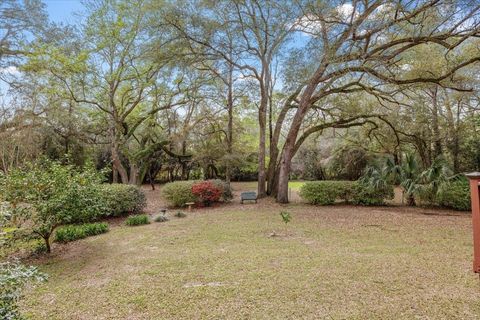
137, 220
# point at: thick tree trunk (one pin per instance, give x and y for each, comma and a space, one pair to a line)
229, 126
262, 119
116, 157
114, 174
282, 192
437, 144
289, 147
134, 174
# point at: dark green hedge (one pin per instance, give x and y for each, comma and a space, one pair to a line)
328, 192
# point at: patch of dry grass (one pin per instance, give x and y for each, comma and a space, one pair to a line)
336, 262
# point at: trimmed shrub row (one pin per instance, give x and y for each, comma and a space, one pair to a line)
327, 192
180, 192
75, 232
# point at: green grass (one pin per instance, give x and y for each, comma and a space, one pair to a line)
295, 185
335, 262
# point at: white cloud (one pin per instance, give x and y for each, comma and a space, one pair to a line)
10, 70
345, 11
308, 24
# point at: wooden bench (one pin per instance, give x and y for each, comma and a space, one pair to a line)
248, 196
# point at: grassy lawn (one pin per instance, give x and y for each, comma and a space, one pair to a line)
252, 185
336, 262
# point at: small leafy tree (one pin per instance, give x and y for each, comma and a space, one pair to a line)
13, 278
48, 194
286, 218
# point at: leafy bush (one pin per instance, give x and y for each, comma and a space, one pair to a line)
455, 195
137, 220
13, 278
368, 195
123, 199
327, 192
48, 194
226, 189
206, 192
178, 193
76, 232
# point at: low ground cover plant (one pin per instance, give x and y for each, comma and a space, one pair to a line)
13, 278
137, 220
161, 218
75, 232
180, 214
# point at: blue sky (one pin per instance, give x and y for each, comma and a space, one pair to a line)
63, 10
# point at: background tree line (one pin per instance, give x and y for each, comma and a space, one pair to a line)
266, 90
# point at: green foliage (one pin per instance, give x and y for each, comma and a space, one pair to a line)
368, 195
137, 220
348, 163
161, 218
13, 278
286, 216
75, 232
180, 214
49, 194
357, 192
226, 189
455, 195
123, 199
326, 192
178, 193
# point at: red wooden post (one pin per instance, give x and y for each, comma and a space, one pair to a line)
474, 178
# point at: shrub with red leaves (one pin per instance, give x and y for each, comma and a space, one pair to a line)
207, 192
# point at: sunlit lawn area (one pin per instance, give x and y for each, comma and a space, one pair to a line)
252, 185
337, 262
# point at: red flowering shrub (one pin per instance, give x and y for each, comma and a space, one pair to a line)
207, 192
